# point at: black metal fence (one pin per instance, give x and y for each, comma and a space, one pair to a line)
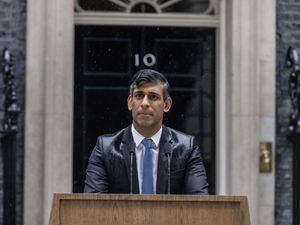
293, 62
9, 129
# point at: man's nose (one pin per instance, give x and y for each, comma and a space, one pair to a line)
145, 101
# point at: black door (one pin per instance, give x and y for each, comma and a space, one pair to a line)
105, 59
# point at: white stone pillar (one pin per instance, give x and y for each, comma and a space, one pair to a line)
252, 69
34, 113
244, 101
266, 70
49, 106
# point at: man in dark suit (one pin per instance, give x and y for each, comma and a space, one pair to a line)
147, 157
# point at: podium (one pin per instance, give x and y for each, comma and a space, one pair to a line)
125, 209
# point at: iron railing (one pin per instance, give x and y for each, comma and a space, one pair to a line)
8, 130
293, 62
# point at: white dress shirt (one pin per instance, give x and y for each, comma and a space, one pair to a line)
140, 151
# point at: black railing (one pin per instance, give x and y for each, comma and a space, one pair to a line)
293, 62
9, 129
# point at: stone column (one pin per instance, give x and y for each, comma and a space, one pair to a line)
49, 106
266, 70
244, 100
34, 113
252, 70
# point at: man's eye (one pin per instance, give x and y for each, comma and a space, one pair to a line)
153, 97
139, 95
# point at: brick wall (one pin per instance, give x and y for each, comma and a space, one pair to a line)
12, 36
288, 34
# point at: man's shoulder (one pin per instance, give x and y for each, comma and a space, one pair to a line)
117, 136
113, 135
178, 135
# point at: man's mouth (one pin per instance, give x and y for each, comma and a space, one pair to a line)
145, 113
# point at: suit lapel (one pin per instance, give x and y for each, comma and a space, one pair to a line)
126, 146
165, 146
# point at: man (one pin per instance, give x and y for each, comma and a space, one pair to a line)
147, 157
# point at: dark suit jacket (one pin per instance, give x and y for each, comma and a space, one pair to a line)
109, 164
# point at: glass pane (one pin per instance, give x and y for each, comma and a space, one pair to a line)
99, 5
192, 6
159, 6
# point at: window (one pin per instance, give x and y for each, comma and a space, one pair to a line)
148, 6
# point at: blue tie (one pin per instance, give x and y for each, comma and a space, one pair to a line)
147, 185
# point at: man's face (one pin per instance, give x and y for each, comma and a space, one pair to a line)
148, 106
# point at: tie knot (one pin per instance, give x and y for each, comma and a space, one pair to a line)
147, 143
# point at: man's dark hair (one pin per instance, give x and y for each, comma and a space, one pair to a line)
149, 76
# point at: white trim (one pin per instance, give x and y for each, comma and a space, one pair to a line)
119, 3
149, 19
78, 7
212, 7
169, 3
134, 3
222, 173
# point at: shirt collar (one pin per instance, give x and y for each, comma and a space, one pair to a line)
137, 137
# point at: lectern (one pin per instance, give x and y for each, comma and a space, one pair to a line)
118, 209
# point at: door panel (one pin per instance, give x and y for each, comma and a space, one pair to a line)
105, 59
96, 50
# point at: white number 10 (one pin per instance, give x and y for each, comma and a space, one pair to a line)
149, 60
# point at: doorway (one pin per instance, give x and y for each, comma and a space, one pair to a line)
105, 59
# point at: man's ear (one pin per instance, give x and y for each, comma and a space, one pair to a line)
168, 104
129, 102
